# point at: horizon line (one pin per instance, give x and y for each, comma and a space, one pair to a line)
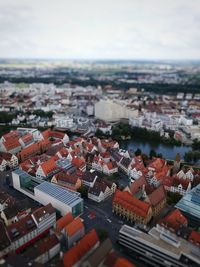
95, 59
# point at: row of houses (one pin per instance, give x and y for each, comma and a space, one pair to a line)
26, 229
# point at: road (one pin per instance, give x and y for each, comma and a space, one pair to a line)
105, 219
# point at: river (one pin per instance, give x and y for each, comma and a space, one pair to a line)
168, 151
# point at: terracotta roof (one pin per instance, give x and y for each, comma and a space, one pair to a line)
46, 133
137, 185
195, 238
108, 143
11, 144
105, 154
63, 151
78, 162
111, 165
75, 254
65, 177
27, 137
64, 221
157, 196
56, 134
157, 163
174, 220
126, 200
31, 150
122, 262
49, 166
160, 174
74, 226
10, 135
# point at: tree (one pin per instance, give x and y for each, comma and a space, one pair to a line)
138, 152
196, 145
160, 155
99, 133
83, 190
152, 153
102, 233
188, 156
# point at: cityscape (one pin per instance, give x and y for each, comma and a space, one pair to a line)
99, 140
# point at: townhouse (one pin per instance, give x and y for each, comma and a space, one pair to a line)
75, 255
101, 190
131, 208
67, 180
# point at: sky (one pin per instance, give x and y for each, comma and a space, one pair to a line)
100, 29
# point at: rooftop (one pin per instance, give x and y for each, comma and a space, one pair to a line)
153, 239
64, 221
74, 226
75, 254
61, 194
190, 202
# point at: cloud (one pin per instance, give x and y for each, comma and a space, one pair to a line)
100, 29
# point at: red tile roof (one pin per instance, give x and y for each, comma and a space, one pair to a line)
27, 137
157, 196
78, 162
126, 200
49, 166
174, 220
30, 151
157, 164
138, 185
75, 254
111, 165
11, 144
12, 134
75, 226
64, 221
65, 177
195, 238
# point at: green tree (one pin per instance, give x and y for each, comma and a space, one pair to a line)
102, 233
83, 190
152, 153
138, 152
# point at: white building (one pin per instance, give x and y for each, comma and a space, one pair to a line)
62, 199
109, 110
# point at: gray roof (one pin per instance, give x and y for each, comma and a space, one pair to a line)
190, 202
61, 194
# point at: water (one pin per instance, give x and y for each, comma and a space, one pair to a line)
168, 151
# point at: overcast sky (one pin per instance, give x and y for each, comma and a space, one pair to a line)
101, 29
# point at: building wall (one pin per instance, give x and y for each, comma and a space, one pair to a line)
130, 215
48, 255
45, 199
74, 238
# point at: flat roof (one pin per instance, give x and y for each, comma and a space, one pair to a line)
186, 204
61, 194
153, 240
